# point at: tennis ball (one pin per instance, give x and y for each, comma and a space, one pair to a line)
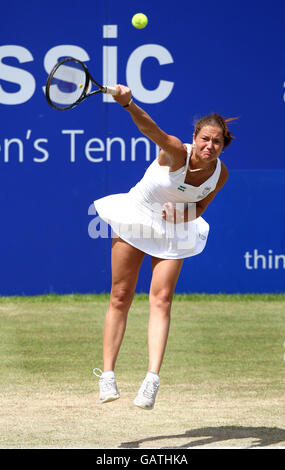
80, 85
139, 20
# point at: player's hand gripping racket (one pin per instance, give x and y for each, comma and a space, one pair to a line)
70, 82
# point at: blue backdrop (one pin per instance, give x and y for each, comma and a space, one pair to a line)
226, 57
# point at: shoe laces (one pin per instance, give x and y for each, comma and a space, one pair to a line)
106, 384
95, 373
150, 389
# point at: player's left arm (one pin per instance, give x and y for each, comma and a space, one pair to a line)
202, 205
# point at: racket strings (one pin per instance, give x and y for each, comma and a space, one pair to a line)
67, 84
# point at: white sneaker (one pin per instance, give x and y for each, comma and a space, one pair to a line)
107, 385
147, 393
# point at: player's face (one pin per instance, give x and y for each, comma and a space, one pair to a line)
209, 143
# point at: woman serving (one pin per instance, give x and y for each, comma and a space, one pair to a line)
161, 217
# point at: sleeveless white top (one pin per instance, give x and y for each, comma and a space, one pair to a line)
136, 216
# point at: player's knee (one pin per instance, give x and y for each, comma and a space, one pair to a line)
121, 296
161, 298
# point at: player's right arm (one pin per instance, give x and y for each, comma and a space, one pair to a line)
173, 152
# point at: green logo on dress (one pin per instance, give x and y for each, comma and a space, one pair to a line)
181, 188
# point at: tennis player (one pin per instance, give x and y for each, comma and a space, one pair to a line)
161, 217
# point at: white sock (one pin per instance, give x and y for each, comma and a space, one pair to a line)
153, 376
108, 374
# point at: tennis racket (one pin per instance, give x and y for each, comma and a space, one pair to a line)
69, 83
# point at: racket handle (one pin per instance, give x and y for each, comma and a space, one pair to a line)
111, 90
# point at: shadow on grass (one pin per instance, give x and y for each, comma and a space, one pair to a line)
263, 436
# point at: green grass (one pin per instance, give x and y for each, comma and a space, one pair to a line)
214, 340
222, 376
177, 297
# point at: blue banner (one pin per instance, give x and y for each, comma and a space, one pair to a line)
189, 61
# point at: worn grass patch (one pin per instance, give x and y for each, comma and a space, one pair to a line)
222, 380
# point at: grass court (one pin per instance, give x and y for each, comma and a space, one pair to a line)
222, 380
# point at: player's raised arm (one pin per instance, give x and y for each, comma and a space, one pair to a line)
170, 145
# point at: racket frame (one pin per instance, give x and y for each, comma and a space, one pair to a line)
88, 76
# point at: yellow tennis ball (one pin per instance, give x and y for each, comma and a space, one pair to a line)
139, 20
80, 85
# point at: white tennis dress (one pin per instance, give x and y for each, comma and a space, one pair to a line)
136, 216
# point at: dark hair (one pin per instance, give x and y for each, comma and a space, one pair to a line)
215, 120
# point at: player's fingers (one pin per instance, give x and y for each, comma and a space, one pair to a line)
122, 90
119, 89
123, 94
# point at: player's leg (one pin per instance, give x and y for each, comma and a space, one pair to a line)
126, 261
164, 278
